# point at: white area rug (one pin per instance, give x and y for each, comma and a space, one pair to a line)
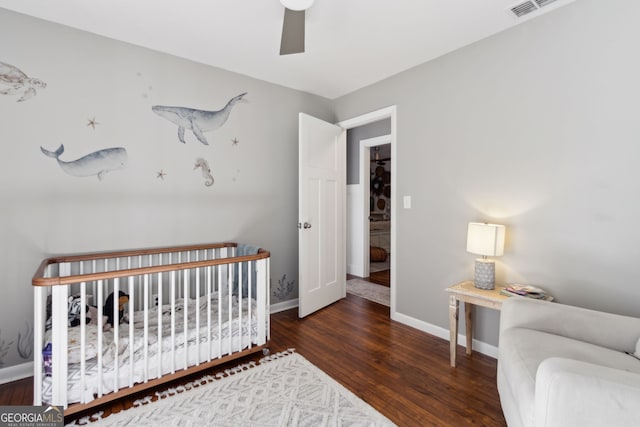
283, 390
371, 291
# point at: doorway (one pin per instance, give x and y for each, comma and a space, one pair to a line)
359, 201
377, 171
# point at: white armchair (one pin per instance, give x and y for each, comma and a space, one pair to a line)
560, 365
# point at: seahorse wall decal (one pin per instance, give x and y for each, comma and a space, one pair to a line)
206, 171
197, 121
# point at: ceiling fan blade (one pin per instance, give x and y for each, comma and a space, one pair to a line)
292, 32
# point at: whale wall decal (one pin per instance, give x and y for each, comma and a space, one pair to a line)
197, 121
97, 163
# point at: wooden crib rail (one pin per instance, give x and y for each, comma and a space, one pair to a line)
40, 280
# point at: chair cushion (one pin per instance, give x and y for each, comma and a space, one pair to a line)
522, 350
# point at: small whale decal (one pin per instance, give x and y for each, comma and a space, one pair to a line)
97, 163
197, 121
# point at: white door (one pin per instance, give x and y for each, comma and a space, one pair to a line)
321, 214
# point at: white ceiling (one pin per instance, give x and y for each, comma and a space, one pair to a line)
350, 43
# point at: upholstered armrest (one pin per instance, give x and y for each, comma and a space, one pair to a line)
573, 393
608, 330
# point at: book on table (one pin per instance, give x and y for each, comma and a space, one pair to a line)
524, 290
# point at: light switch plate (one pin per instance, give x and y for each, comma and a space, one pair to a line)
406, 202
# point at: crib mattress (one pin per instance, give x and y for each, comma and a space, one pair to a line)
126, 362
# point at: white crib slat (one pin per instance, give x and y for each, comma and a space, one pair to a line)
138, 279
261, 300
94, 290
185, 326
116, 331
99, 366
179, 276
131, 281
173, 322
39, 319
146, 330
229, 300
197, 311
59, 305
159, 312
267, 294
83, 338
219, 268
240, 268
249, 299
209, 313
132, 300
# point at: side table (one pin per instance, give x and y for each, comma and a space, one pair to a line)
471, 295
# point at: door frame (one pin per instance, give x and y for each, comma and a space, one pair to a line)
374, 116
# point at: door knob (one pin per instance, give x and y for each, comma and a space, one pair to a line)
307, 225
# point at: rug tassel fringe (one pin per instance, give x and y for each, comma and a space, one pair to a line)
143, 401
278, 355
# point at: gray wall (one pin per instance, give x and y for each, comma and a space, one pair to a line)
44, 211
536, 128
371, 130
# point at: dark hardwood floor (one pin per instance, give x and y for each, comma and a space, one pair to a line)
400, 371
380, 277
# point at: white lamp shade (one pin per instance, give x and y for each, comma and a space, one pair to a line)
485, 239
297, 4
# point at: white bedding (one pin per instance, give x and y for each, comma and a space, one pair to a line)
202, 345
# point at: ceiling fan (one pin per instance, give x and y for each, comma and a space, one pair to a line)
293, 26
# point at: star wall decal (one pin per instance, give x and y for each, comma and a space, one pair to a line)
235, 141
92, 122
161, 174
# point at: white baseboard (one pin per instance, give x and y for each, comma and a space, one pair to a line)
16, 372
355, 269
283, 306
479, 346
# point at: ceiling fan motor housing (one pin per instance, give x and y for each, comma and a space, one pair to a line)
297, 4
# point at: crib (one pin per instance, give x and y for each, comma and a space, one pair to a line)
112, 324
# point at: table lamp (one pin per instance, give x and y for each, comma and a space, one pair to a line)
486, 240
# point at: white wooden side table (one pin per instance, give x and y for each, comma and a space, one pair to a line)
470, 295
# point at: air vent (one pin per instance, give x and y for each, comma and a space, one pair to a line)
529, 6
523, 8
542, 3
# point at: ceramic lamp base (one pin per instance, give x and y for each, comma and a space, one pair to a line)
485, 274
